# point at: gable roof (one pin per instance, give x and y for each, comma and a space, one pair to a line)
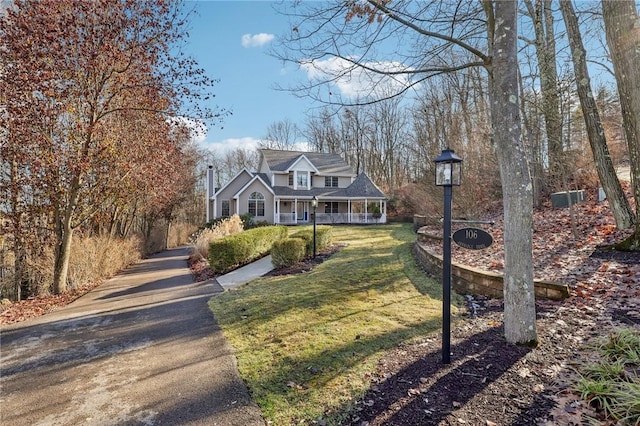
261, 177
219, 190
281, 161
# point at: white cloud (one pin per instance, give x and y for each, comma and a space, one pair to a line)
197, 128
358, 82
228, 145
256, 40
247, 144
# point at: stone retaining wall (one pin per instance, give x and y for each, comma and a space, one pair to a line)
467, 280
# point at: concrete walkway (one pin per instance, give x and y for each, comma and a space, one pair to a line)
143, 348
245, 274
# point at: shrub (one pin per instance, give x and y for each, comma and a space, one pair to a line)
154, 238
612, 384
91, 259
376, 213
243, 247
39, 269
247, 220
178, 234
99, 257
287, 252
219, 229
323, 238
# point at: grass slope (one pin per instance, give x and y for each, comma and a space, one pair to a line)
307, 344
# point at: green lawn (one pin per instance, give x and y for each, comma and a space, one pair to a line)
307, 344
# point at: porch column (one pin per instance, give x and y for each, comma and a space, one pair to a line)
295, 207
209, 190
212, 206
366, 218
276, 211
349, 217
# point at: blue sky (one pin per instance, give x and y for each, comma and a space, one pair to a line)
230, 40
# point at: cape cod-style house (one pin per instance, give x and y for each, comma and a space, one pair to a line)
282, 191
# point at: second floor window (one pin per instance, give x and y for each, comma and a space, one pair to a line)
302, 180
290, 178
256, 204
331, 181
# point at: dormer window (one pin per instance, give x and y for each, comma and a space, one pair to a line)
302, 180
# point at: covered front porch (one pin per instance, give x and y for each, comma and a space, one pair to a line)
330, 211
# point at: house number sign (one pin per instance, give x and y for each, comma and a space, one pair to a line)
472, 238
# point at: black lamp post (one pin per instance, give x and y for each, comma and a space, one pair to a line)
314, 203
448, 173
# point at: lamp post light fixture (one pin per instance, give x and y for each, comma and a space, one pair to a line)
314, 203
448, 173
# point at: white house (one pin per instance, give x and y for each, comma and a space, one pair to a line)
283, 189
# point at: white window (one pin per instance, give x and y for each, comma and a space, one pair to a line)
256, 204
302, 180
331, 181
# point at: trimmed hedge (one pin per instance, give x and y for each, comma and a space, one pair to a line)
287, 252
323, 238
244, 247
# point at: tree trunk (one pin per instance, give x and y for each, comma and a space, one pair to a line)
18, 268
546, 54
618, 203
63, 254
519, 296
18, 236
64, 233
535, 154
623, 37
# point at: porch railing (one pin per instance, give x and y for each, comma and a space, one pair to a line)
287, 218
332, 218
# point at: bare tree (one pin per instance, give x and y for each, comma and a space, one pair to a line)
280, 135
322, 132
388, 136
621, 26
519, 297
445, 35
545, 43
618, 203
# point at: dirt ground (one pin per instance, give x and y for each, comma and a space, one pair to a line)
489, 382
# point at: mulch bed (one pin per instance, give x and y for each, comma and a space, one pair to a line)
490, 382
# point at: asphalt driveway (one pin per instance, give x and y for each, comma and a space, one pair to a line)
141, 349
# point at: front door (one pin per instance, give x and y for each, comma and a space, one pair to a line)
303, 211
